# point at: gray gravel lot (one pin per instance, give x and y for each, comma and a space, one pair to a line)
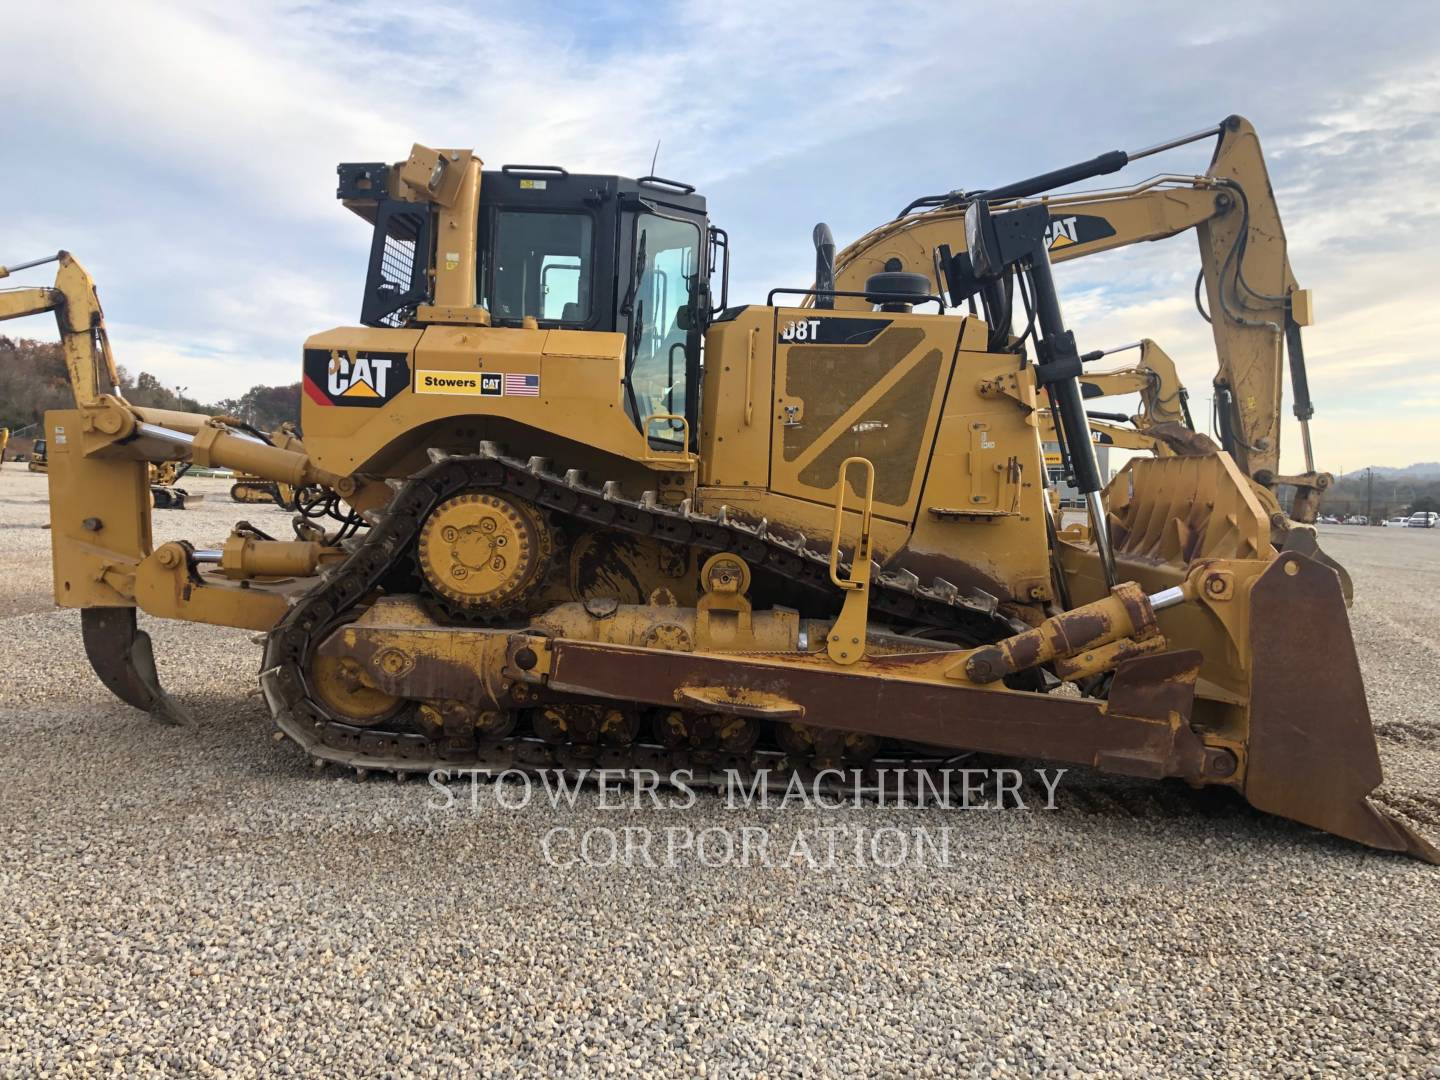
201, 901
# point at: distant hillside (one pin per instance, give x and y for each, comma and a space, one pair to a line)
1387, 492
33, 379
1421, 470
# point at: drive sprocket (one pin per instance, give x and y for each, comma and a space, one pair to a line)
483, 552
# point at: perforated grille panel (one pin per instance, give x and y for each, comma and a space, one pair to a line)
398, 278
397, 265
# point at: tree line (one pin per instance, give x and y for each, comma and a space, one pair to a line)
33, 379
1379, 498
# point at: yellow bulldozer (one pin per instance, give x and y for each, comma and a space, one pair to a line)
577, 510
255, 489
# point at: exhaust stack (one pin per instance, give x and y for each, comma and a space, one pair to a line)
824, 266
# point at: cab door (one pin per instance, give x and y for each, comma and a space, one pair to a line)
858, 384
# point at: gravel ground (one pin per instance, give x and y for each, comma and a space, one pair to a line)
201, 901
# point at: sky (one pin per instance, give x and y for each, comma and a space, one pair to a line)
186, 153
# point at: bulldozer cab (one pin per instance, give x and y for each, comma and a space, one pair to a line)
556, 250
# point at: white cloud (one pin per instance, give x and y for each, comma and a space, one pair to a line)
186, 152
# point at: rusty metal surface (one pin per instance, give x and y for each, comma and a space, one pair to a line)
1181, 440
1312, 753
1160, 686
1106, 657
408, 656
1180, 509
307, 628
1303, 539
1154, 740
1125, 612
1145, 730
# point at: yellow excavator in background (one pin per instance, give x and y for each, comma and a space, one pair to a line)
1251, 300
83, 338
164, 495
1163, 420
548, 535
1162, 426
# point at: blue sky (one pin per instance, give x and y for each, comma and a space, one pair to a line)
185, 153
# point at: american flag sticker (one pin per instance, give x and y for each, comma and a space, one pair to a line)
522, 385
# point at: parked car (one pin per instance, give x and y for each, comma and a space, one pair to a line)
1426, 519
1356, 519
1327, 519
1397, 522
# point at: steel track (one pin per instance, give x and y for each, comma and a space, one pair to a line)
346, 588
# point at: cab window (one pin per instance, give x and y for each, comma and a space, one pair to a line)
667, 254
539, 264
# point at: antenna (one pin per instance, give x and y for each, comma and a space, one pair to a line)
655, 158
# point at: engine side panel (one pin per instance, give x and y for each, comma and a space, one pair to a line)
372, 397
859, 385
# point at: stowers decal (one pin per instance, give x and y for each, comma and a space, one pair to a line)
1067, 229
368, 379
482, 383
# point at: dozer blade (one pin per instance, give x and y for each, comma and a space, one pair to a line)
1312, 755
121, 655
